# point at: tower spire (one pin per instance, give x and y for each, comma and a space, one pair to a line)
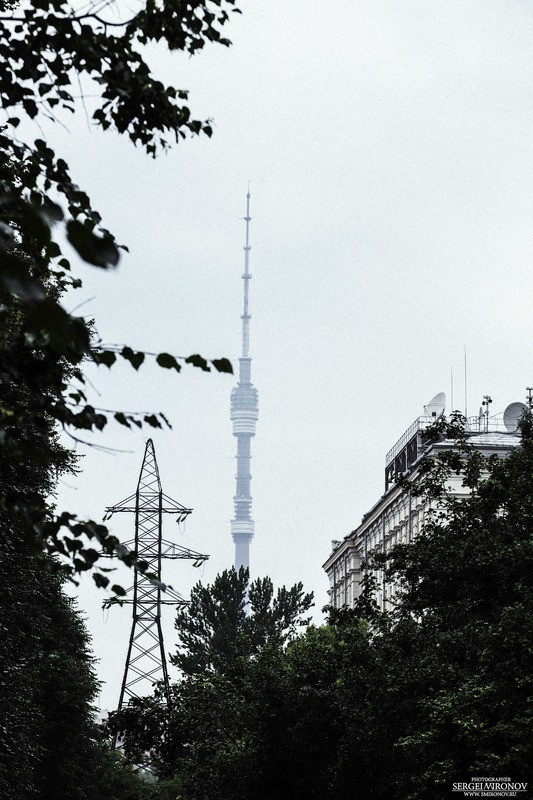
244, 414
246, 278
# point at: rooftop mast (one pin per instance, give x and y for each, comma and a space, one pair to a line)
244, 414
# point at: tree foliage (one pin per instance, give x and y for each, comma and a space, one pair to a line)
53, 56
233, 620
201, 735
464, 620
50, 746
52, 52
394, 705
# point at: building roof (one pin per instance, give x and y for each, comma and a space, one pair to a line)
494, 440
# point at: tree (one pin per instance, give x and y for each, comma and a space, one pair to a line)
48, 744
233, 620
66, 690
292, 718
392, 705
47, 49
455, 655
203, 737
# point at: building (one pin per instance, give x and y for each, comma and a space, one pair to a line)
398, 515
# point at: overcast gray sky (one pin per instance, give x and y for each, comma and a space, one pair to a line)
388, 146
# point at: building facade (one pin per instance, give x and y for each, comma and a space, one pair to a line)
398, 516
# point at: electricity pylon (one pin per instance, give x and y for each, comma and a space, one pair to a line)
146, 661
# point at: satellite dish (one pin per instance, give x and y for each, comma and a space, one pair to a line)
512, 414
435, 407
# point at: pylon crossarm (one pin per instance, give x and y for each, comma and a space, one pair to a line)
169, 550
125, 505
173, 550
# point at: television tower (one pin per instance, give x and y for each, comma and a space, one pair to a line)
244, 414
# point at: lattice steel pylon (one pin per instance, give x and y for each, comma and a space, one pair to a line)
146, 661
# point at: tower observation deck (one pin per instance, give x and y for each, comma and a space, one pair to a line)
244, 414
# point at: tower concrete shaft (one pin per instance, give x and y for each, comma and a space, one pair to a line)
244, 414
146, 661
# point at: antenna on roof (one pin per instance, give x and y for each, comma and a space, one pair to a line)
512, 414
435, 407
487, 400
451, 386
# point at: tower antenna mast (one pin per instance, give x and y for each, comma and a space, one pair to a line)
246, 278
244, 412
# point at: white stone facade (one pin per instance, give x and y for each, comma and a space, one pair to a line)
396, 518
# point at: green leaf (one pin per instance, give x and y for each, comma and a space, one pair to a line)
52, 211
222, 365
165, 420
100, 580
53, 250
93, 249
167, 361
198, 361
16, 278
135, 359
104, 357
152, 420
67, 335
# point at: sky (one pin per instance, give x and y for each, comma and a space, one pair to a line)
388, 146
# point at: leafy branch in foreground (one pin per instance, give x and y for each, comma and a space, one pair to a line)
46, 49
48, 46
107, 354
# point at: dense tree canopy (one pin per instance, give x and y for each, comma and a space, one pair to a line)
394, 705
464, 621
51, 53
225, 628
233, 619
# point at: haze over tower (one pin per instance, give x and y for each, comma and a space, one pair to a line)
244, 414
